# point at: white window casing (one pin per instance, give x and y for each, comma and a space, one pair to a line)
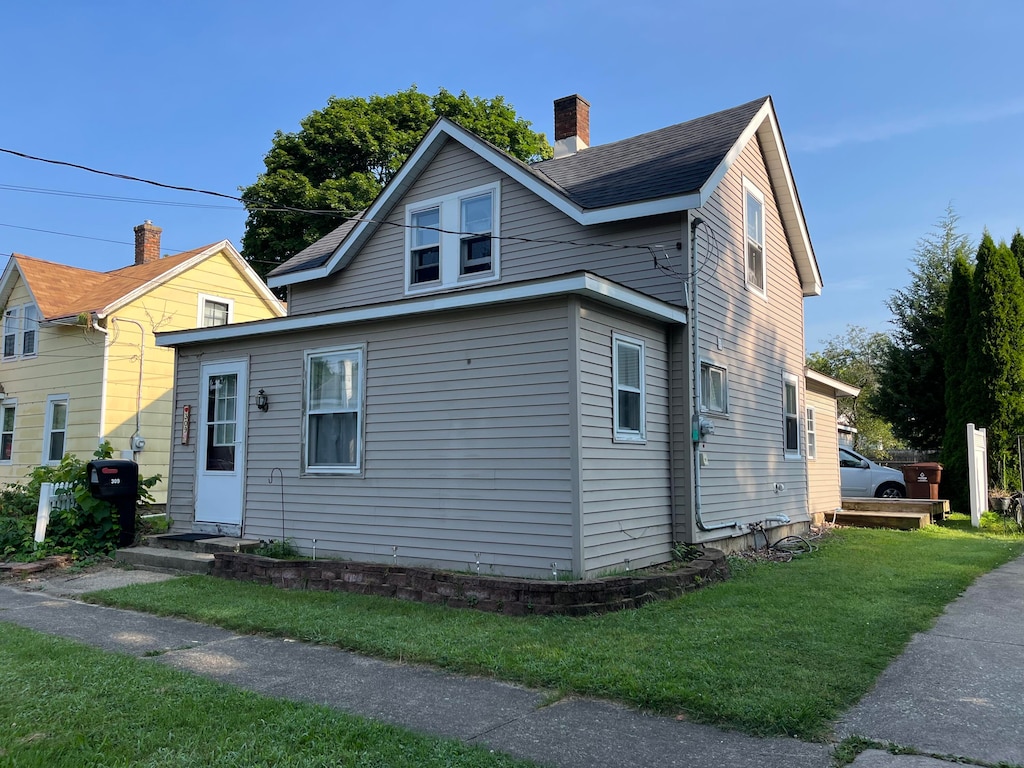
453, 240
21, 332
55, 432
629, 383
214, 311
333, 425
791, 415
812, 435
714, 388
754, 252
8, 414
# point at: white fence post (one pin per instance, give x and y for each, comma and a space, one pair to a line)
43, 511
977, 472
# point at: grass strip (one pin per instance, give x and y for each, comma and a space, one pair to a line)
781, 648
64, 704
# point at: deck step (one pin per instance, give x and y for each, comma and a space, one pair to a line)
904, 521
163, 559
938, 509
208, 546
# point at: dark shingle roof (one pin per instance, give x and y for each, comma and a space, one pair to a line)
664, 163
319, 253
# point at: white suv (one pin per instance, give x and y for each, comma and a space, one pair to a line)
859, 477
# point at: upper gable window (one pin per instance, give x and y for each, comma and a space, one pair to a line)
452, 240
214, 311
753, 215
21, 332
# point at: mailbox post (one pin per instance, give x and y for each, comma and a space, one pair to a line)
117, 481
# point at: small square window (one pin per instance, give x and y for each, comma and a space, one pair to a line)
713, 392
215, 313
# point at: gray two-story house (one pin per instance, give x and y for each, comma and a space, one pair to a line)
576, 362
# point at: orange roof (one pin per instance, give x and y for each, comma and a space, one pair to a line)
62, 291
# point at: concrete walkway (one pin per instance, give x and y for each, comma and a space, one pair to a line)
956, 691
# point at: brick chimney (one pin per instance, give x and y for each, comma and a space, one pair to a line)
147, 242
572, 125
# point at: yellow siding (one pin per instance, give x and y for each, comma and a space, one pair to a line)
69, 362
172, 306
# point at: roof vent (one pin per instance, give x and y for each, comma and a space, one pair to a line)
572, 125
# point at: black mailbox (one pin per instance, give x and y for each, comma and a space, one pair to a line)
117, 481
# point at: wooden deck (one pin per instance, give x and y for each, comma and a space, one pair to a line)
904, 514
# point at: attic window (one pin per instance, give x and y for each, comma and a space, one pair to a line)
214, 311
453, 240
21, 332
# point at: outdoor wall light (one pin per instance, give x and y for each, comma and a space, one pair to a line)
262, 402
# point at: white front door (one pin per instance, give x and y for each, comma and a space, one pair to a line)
220, 464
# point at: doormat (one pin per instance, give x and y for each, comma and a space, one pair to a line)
190, 536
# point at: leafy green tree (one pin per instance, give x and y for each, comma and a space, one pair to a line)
911, 377
854, 358
995, 362
958, 413
346, 152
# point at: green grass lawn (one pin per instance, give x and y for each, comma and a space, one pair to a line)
781, 648
63, 705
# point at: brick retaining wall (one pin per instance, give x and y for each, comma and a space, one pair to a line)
495, 594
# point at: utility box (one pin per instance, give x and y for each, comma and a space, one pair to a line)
117, 481
922, 480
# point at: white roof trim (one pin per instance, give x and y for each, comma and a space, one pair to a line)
842, 389
224, 246
763, 123
7, 283
583, 284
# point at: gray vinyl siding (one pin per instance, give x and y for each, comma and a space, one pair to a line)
757, 339
823, 470
377, 273
626, 498
467, 443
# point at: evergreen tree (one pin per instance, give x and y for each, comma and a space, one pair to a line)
995, 363
911, 375
1017, 247
957, 314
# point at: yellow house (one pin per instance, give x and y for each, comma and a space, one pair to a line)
78, 362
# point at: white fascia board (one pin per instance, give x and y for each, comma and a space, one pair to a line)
766, 125
445, 129
842, 389
161, 278
583, 284
7, 282
254, 281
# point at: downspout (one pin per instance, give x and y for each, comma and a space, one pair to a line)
136, 438
696, 426
94, 325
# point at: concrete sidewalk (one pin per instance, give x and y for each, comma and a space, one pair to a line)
956, 691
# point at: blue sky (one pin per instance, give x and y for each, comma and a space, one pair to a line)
890, 110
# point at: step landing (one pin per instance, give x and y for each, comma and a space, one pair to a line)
162, 553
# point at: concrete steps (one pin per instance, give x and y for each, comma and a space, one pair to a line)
161, 553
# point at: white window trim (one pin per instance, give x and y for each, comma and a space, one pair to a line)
200, 310
450, 250
812, 433
50, 400
762, 290
788, 453
725, 388
18, 313
357, 469
9, 402
620, 435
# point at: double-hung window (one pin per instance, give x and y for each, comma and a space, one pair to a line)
629, 404
812, 435
453, 240
334, 410
56, 429
791, 415
713, 389
753, 214
21, 332
7, 430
